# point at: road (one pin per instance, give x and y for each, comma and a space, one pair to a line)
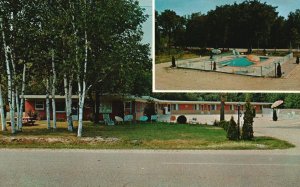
159, 168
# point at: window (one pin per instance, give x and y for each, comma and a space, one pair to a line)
196, 107
39, 105
174, 106
60, 106
127, 108
213, 107
231, 107
105, 107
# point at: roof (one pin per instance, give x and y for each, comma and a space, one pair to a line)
50, 96
147, 98
210, 102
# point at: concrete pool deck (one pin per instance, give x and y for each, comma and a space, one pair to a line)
175, 79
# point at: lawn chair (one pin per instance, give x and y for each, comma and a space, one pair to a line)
107, 120
154, 118
143, 118
128, 118
118, 119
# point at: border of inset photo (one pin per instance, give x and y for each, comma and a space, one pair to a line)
185, 67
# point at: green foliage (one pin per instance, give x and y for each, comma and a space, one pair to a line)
224, 124
275, 118
181, 119
254, 112
232, 132
246, 24
247, 129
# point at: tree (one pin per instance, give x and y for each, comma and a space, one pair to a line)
222, 111
279, 74
247, 129
297, 60
275, 118
232, 132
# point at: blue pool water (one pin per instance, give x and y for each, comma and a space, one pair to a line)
240, 62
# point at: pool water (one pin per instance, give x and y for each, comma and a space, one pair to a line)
240, 62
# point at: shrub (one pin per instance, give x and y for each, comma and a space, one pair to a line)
279, 74
247, 129
275, 118
149, 110
224, 125
254, 112
181, 119
232, 132
216, 123
297, 60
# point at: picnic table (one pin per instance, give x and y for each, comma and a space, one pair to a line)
25, 121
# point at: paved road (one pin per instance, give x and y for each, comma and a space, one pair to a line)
159, 168
148, 168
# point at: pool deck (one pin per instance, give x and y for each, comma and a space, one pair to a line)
175, 79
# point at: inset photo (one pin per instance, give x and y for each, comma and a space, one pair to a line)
228, 45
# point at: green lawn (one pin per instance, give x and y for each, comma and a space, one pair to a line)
134, 136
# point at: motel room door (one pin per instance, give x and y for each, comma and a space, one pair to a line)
75, 111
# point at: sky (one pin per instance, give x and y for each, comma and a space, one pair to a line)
186, 7
147, 26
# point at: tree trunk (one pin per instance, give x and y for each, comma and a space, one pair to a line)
53, 91
22, 99
70, 119
9, 79
18, 109
47, 105
222, 115
82, 95
96, 113
2, 115
68, 90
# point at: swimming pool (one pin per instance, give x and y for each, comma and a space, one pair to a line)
240, 62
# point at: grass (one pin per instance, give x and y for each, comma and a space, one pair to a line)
134, 136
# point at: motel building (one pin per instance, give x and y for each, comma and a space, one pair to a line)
131, 105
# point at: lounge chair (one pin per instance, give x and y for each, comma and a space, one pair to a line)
154, 118
118, 119
107, 120
143, 118
128, 118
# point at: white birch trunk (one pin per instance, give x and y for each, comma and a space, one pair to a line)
18, 109
53, 92
47, 105
82, 95
9, 79
22, 99
67, 100
2, 115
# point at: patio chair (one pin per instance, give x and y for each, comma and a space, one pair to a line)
154, 118
143, 118
128, 118
118, 119
107, 120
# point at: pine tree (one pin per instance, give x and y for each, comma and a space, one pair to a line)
247, 129
275, 118
279, 73
232, 132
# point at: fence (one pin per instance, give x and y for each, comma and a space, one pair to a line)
283, 113
266, 70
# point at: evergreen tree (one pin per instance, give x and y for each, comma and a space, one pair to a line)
297, 60
232, 132
247, 129
279, 73
275, 118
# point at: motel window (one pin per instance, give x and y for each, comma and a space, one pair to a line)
174, 106
128, 108
60, 107
39, 105
213, 107
202, 107
105, 107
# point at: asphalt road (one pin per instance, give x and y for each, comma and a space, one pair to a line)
148, 168
159, 168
